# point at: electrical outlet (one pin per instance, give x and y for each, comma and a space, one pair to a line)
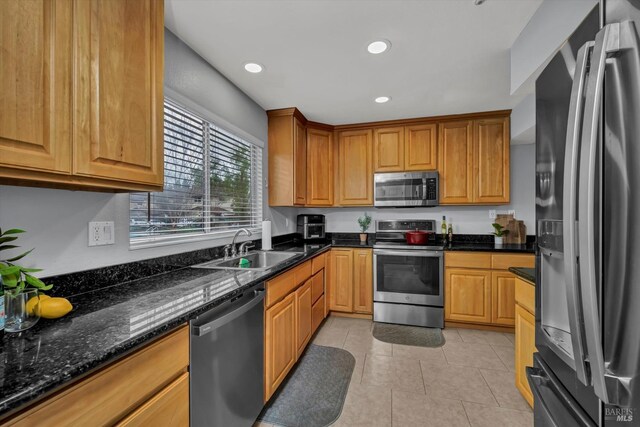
492, 214
512, 212
101, 233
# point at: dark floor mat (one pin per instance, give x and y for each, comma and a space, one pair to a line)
408, 335
313, 394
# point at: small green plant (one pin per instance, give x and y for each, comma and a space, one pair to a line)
364, 222
499, 230
15, 276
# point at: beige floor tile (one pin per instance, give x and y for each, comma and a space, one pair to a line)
451, 335
394, 373
476, 355
502, 385
330, 337
506, 353
456, 382
431, 354
356, 377
350, 324
408, 409
366, 406
486, 416
483, 337
359, 341
510, 337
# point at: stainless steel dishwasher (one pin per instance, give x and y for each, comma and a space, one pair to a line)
227, 363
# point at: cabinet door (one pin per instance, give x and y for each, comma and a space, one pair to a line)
303, 316
341, 280
280, 343
319, 167
170, 407
35, 88
299, 162
420, 148
317, 285
455, 159
363, 281
468, 295
491, 160
317, 314
525, 347
388, 150
118, 111
503, 298
354, 168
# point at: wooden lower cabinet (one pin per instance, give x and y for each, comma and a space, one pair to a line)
148, 385
303, 316
317, 314
503, 291
363, 281
525, 347
468, 295
350, 280
280, 343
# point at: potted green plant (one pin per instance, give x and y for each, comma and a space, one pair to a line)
364, 222
19, 286
498, 233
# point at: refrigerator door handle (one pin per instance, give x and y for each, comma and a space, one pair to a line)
607, 42
570, 191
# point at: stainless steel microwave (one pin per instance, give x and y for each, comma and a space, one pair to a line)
405, 189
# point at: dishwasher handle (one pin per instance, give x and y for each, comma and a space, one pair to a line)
200, 330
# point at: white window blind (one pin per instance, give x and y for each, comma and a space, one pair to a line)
230, 197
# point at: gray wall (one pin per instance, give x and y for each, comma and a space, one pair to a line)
466, 219
57, 220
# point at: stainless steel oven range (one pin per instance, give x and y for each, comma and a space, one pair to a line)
407, 279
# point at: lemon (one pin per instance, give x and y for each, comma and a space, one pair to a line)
52, 308
31, 304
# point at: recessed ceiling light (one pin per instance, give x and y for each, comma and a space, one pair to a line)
378, 46
253, 67
383, 99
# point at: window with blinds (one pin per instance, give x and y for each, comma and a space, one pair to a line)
212, 183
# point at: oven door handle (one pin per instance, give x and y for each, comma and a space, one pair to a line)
410, 252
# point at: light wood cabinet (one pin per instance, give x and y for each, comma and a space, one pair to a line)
355, 175
84, 107
468, 295
388, 149
474, 161
304, 302
300, 162
420, 152
320, 155
479, 289
525, 323
148, 384
318, 313
363, 281
340, 282
280, 342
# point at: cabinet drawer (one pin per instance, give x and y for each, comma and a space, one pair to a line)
112, 393
168, 408
318, 263
467, 259
504, 261
317, 314
317, 285
280, 286
302, 272
526, 295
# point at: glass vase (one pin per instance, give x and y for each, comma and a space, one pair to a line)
17, 317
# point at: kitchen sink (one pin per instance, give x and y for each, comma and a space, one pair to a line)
258, 260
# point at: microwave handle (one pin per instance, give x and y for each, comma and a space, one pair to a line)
424, 188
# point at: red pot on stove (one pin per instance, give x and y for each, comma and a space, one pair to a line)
416, 237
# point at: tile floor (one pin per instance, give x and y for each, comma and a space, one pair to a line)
467, 382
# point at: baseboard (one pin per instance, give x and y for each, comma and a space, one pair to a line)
462, 325
351, 315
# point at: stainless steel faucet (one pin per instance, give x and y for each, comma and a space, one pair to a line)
234, 250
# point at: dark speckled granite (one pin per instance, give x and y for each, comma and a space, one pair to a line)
528, 274
108, 322
350, 240
485, 242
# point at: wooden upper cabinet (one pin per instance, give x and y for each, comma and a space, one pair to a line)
355, 175
35, 88
420, 147
492, 160
455, 158
319, 167
118, 90
363, 281
388, 149
300, 162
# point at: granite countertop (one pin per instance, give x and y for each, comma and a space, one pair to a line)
107, 323
528, 274
490, 247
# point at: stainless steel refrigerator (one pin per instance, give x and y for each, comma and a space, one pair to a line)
586, 370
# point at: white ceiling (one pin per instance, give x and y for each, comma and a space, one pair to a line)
447, 56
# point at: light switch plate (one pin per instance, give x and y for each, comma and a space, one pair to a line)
101, 233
